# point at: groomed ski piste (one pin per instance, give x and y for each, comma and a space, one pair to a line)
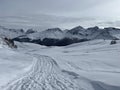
90, 65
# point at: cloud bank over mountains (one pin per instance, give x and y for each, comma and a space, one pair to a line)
60, 7
43, 14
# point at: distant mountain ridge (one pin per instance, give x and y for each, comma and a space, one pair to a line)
10, 33
58, 37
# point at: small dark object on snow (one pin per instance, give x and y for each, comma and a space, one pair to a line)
113, 42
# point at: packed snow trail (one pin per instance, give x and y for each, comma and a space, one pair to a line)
45, 74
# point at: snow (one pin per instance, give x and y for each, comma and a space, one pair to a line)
50, 33
92, 65
75, 33
10, 33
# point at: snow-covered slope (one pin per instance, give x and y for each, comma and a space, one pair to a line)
93, 33
75, 35
114, 31
92, 65
10, 33
45, 74
49, 33
77, 32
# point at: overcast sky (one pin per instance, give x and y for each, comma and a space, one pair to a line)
61, 7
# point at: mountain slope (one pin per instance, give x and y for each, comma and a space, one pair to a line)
10, 33
49, 33
92, 33
75, 35
58, 37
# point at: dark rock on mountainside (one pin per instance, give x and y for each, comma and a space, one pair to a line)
52, 41
49, 41
113, 42
77, 30
22, 39
54, 30
93, 28
9, 42
104, 34
29, 31
68, 41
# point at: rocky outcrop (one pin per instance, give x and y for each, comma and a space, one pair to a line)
6, 42
10, 42
29, 31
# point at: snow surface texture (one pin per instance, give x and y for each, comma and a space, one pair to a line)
92, 65
44, 75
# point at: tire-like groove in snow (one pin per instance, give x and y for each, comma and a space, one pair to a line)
45, 74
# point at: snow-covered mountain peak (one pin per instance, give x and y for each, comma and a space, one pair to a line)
29, 31
54, 30
10, 33
73, 35
77, 30
49, 33
94, 28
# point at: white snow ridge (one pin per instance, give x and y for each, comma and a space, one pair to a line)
45, 74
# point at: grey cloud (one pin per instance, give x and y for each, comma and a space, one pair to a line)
46, 6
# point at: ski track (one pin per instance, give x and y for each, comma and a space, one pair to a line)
45, 74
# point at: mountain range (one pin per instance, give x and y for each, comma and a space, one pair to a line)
58, 37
